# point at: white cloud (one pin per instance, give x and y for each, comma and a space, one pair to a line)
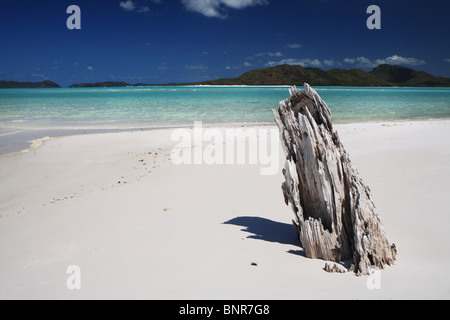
270, 54
239, 4
358, 62
293, 45
130, 5
329, 63
275, 54
208, 8
127, 5
363, 62
196, 67
144, 9
90, 68
216, 8
446, 60
349, 60
397, 60
306, 62
246, 64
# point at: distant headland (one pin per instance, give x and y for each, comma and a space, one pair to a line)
41, 84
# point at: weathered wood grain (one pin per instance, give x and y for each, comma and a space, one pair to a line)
335, 217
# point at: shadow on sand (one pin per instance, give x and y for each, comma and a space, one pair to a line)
268, 230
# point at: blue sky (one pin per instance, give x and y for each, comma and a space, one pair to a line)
161, 41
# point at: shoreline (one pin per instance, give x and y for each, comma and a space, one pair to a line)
21, 140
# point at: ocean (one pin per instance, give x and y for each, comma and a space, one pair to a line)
66, 109
80, 108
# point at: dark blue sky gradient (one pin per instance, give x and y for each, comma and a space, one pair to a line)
170, 43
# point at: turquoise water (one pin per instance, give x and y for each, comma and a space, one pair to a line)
107, 108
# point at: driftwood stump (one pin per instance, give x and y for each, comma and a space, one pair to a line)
335, 215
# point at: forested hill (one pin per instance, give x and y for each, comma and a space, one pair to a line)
382, 75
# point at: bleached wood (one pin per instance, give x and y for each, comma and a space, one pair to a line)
335, 217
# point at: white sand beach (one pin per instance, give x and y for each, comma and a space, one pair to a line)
139, 226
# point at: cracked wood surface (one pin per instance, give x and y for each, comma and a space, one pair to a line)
335, 217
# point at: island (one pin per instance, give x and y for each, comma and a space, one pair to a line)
15, 84
381, 76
